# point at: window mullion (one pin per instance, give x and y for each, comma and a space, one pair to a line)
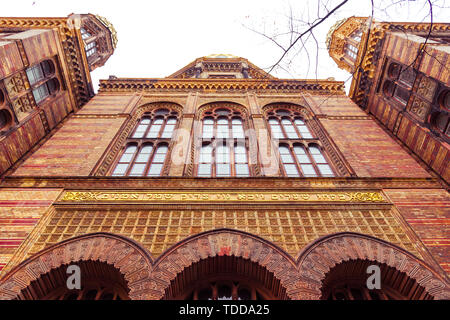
161, 129
294, 157
133, 159
313, 161
232, 159
150, 158
280, 123
213, 158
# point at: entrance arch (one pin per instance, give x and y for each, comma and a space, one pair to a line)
230, 243
98, 281
316, 261
133, 262
225, 278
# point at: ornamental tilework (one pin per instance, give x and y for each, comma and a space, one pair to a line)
158, 230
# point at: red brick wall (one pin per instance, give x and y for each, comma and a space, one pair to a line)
335, 106
74, 149
38, 44
370, 151
10, 58
428, 213
16, 144
107, 104
20, 211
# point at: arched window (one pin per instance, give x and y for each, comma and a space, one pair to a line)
42, 80
147, 148
398, 83
300, 151
223, 151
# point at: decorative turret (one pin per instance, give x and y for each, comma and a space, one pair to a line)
97, 36
343, 41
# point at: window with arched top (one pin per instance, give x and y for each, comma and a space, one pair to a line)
398, 83
146, 151
224, 146
42, 80
299, 150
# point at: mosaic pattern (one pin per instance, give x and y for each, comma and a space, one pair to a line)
157, 230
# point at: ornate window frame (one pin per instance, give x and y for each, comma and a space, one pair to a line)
191, 169
111, 157
222, 120
319, 139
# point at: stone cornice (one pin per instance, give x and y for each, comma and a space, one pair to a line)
228, 85
185, 183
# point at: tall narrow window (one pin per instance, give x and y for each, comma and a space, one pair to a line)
90, 48
147, 147
223, 151
299, 150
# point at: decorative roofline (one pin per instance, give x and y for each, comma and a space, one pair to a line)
278, 85
110, 27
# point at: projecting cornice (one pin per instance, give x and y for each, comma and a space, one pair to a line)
229, 85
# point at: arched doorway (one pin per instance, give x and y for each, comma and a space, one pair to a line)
99, 281
117, 262
225, 278
237, 254
348, 281
337, 263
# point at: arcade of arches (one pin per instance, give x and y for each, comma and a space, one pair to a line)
223, 264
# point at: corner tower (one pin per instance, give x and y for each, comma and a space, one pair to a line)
45, 75
401, 76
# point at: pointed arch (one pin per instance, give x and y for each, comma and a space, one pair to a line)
132, 260
318, 258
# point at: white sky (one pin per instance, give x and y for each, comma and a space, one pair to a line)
157, 38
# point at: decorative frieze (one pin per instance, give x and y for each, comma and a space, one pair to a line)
221, 196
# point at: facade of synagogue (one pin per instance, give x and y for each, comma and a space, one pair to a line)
221, 181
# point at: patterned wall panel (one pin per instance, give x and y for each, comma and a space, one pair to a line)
74, 149
370, 151
20, 211
157, 230
428, 213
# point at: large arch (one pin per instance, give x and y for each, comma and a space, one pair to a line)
316, 260
134, 262
225, 242
148, 279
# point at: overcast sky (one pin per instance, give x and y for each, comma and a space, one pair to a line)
157, 38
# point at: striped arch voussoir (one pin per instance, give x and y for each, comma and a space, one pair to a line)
318, 258
126, 255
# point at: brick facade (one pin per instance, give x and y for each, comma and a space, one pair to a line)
386, 203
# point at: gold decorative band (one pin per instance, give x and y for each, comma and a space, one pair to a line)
226, 196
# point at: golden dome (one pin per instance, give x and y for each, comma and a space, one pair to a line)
109, 25
332, 29
222, 55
